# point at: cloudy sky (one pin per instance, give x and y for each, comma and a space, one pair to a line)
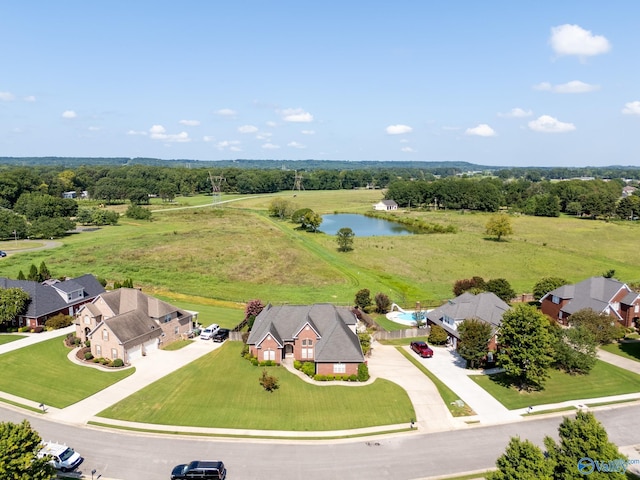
505, 83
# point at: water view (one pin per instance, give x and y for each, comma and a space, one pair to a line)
362, 225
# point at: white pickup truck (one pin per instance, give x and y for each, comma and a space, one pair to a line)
62, 457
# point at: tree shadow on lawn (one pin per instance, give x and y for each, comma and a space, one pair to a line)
631, 348
511, 383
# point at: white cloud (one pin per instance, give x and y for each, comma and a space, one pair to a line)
296, 115
308, 132
631, 108
226, 112
6, 96
232, 145
398, 129
69, 114
549, 124
158, 132
136, 132
407, 150
574, 40
271, 124
516, 113
575, 86
247, 129
190, 123
208, 138
270, 146
295, 145
482, 130
30, 98
264, 135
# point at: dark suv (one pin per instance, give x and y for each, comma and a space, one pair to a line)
203, 470
221, 335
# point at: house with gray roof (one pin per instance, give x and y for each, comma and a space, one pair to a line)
127, 324
600, 294
385, 205
485, 306
53, 297
320, 333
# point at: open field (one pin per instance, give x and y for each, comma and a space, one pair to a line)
221, 390
42, 373
236, 253
603, 381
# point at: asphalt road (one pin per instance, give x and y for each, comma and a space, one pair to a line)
132, 456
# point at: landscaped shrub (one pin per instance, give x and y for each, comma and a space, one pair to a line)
308, 368
353, 378
97, 360
268, 382
117, 363
320, 378
37, 329
254, 361
88, 356
297, 364
59, 321
87, 343
268, 363
363, 372
23, 329
438, 335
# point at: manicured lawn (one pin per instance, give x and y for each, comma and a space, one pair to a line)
603, 381
222, 390
630, 350
42, 373
8, 337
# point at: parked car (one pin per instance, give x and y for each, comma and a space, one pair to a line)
3, 253
61, 457
422, 349
221, 335
203, 470
209, 332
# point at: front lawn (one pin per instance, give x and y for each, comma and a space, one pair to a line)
603, 381
630, 350
221, 390
43, 373
7, 338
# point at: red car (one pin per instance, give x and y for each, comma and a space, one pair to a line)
422, 349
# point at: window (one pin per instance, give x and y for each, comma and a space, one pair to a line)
339, 368
448, 320
555, 299
114, 353
98, 351
307, 349
105, 335
636, 309
176, 330
268, 355
87, 319
167, 318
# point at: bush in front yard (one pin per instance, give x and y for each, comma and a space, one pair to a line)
308, 368
438, 335
88, 356
363, 372
117, 363
59, 321
297, 364
268, 382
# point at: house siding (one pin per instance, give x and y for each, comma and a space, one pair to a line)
307, 334
553, 309
268, 344
327, 369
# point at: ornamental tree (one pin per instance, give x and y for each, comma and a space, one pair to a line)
19, 447
522, 460
474, 340
499, 226
525, 350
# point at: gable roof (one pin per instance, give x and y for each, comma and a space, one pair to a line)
595, 293
131, 326
336, 342
125, 300
485, 306
44, 297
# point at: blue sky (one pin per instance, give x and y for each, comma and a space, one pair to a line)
507, 83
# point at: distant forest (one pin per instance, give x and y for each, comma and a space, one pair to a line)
589, 191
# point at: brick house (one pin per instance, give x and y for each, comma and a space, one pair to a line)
320, 333
485, 306
127, 324
53, 297
602, 295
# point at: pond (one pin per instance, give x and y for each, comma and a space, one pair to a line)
362, 225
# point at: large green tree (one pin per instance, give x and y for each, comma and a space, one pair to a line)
13, 302
474, 339
546, 284
604, 327
583, 441
363, 298
499, 226
344, 237
574, 349
501, 288
19, 447
525, 350
522, 460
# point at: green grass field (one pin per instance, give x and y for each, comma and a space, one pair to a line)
8, 338
222, 390
42, 373
237, 253
603, 381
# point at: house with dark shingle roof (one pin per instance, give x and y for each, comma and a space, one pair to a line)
53, 297
485, 306
127, 324
320, 333
600, 294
